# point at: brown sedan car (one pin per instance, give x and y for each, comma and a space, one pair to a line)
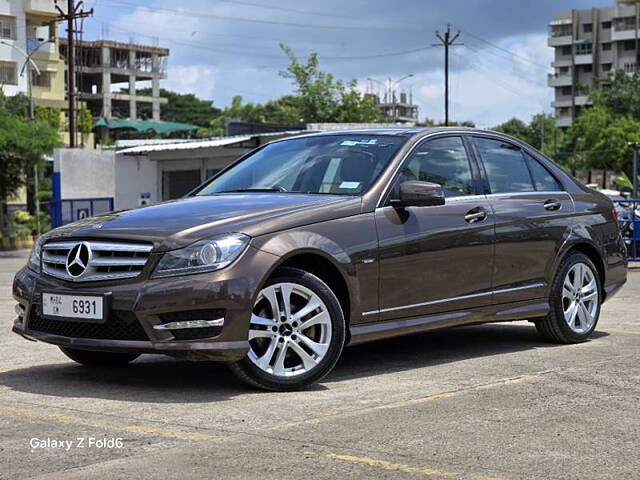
312, 243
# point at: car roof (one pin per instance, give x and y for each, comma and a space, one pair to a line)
399, 131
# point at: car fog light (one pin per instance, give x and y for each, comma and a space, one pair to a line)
218, 322
19, 310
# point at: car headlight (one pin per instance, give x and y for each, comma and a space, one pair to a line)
203, 256
34, 259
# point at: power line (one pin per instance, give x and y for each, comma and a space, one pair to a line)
498, 47
526, 79
258, 20
281, 9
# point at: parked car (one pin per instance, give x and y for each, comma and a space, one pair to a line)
315, 242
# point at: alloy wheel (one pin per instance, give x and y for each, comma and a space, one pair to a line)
580, 298
290, 330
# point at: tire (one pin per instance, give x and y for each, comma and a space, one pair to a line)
299, 345
92, 358
564, 323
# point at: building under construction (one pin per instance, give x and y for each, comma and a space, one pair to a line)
108, 73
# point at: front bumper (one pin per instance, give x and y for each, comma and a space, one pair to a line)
149, 301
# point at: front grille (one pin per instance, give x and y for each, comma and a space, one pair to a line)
120, 325
101, 260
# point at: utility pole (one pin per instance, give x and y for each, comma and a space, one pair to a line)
446, 42
74, 11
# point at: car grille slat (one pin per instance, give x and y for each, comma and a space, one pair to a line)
108, 261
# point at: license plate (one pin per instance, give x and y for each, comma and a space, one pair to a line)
80, 307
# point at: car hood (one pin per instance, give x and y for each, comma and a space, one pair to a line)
177, 223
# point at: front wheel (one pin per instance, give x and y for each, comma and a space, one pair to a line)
575, 302
296, 333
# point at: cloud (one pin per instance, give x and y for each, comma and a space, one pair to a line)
229, 47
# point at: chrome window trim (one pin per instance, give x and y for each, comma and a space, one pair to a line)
453, 299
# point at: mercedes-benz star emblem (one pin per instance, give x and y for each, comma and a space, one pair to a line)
78, 259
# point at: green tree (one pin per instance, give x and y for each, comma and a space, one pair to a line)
541, 132
620, 94
22, 145
599, 139
322, 98
181, 107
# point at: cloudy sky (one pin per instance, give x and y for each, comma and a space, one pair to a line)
221, 48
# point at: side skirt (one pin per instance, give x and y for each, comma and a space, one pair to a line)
505, 312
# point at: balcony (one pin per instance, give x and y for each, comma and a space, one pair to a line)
563, 121
619, 35
567, 102
564, 80
41, 7
559, 41
582, 100
583, 58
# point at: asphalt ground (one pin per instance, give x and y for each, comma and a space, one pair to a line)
477, 403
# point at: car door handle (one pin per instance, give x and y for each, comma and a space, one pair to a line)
552, 205
475, 215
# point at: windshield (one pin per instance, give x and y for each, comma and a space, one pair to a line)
328, 164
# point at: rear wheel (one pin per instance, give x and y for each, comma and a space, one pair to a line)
90, 358
575, 302
296, 333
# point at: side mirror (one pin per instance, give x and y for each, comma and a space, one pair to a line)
414, 193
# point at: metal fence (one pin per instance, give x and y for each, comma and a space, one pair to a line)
629, 219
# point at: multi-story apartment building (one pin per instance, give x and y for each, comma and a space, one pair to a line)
588, 45
28, 29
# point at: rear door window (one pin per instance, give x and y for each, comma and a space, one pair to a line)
505, 166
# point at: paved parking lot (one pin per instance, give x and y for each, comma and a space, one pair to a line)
478, 403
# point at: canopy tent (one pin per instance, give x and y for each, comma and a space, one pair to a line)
145, 126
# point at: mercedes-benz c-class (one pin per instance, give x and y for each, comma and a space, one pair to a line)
313, 243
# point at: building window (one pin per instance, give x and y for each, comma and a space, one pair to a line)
561, 30
606, 46
629, 67
627, 23
563, 70
587, 27
587, 68
8, 73
566, 50
566, 90
8, 27
606, 67
629, 45
583, 48
42, 80
606, 25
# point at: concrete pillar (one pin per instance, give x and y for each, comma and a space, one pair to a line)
155, 87
106, 83
133, 114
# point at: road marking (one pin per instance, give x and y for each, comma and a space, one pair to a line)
400, 467
142, 429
